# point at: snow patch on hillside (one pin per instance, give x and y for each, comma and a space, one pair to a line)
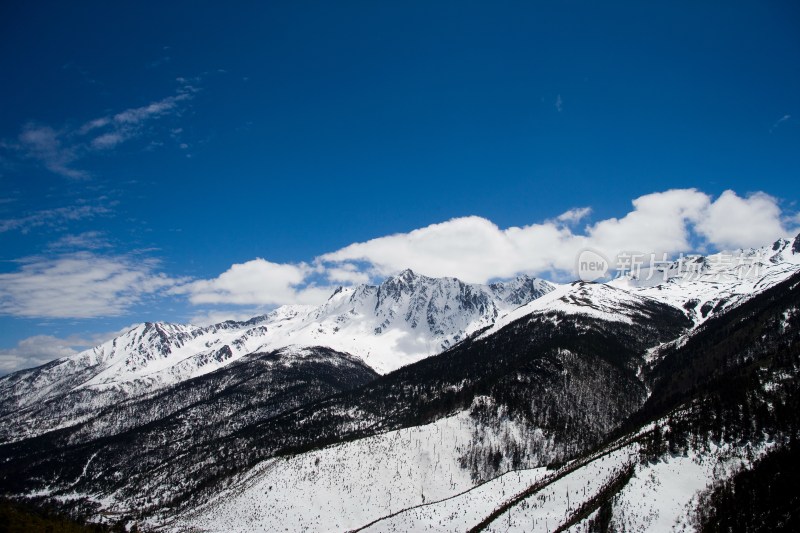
344, 486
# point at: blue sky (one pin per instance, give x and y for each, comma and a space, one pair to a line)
197, 161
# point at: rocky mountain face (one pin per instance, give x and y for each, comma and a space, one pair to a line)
631, 405
410, 316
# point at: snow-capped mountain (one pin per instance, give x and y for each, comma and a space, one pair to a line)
706, 285
596, 300
514, 393
406, 318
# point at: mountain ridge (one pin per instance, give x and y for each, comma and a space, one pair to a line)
404, 319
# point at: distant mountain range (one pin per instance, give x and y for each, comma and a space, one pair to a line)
640, 404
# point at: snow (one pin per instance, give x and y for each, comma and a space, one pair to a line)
406, 480
659, 496
662, 495
555, 503
725, 278
343, 486
596, 300
464, 510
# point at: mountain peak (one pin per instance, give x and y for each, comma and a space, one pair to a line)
339, 289
406, 279
407, 275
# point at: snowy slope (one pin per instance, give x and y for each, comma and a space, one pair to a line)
404, 480
544, 510
409, 480
595, 300
661, 495
143, 359
651, 495
706, 285
656, 495
345, 486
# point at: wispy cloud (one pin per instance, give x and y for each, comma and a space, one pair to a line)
780, 121
54, 218
88, 240
60, 149
79, 285
108, 140
127, 124
140, 114
559, 103
51, 148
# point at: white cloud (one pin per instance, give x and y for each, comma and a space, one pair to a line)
107, 141
127, 124
347, 273
559, 103
34, 351
736, 222
476, 250
659, 222
574, 215
155, 109
471, 248
78, 285
256, 282
94, 124
40, 349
